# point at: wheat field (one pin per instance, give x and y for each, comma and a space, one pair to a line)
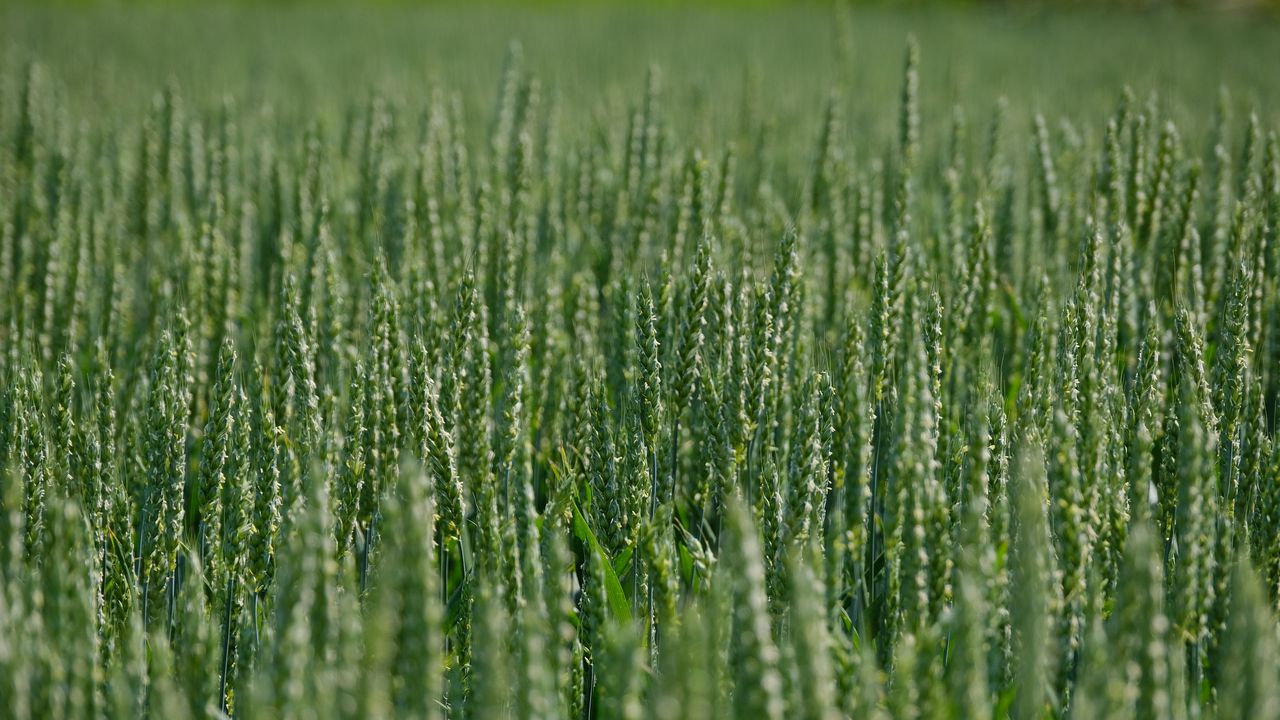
603, 362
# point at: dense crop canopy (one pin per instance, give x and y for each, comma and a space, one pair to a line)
407, 417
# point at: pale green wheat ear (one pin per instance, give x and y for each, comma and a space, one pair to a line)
1249, 684
758, 685
1033, 579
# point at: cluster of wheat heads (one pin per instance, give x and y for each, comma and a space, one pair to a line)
385, 420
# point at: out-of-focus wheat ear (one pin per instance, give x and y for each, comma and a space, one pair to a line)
813, 677
1249, 686
754, 654
492, 671
966, 673
908, 136
195, 642
621, 672
1033, 584
1152, 217
687, 684
407, 591
1047, 177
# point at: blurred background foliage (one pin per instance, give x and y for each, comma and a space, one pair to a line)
1070, 60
